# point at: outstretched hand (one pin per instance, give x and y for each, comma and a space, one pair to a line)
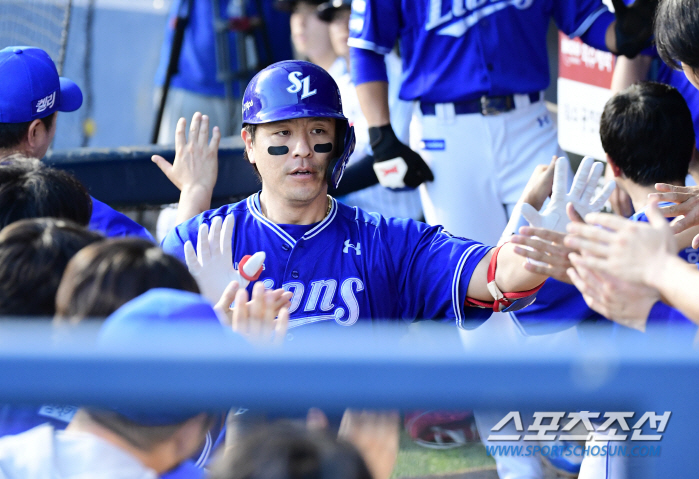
554, 216
630, 250
212, 263
686, 211
262, 320
634, 26
195, 168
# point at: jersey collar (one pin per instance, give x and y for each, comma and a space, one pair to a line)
254, 207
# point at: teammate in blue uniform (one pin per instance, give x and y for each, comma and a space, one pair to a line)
648, 137
31, 94
341, 263
478, 70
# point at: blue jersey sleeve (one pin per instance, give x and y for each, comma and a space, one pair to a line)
576, 18
433, 269
375, 25
111, 223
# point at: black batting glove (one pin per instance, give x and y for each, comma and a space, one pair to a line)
396, 165
634, 26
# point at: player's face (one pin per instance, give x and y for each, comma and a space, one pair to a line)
339, 32
308, 33
691, 75
292, 157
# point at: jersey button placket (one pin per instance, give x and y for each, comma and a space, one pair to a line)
295, 274
286, 247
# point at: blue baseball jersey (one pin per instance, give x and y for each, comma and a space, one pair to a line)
462, 49
352, 265
560, 305
111, 223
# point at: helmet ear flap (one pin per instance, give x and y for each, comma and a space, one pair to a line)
342, 152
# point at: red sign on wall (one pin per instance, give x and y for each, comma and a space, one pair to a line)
583, 63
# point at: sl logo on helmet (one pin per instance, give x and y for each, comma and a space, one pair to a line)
297, 84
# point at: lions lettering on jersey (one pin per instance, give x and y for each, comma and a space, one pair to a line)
466, 13
352, 265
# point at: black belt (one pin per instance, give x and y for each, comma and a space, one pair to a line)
485, 105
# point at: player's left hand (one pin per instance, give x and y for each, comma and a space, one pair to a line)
624, 302
212, 263
554, 216
634, 26
546, 249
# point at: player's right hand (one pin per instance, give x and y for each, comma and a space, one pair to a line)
212, 263
634, 26
554, 216
686, 210
396, 165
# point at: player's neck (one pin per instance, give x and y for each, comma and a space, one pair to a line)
285, 212
160, 459
639, 194
325, 61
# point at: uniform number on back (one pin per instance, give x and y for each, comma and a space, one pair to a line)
297, 84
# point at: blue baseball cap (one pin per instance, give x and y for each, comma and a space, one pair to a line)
30, 87
143, 319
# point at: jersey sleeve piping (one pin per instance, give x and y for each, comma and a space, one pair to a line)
457, 301
585, 25
367, 45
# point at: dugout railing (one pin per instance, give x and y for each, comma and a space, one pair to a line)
362, 367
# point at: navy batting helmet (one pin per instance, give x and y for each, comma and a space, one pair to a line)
298, 89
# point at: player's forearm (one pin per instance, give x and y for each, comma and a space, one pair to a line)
511, 276
193, 200
373, 98
628, 71
678, 283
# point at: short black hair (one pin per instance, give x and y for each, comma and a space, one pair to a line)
288, 451
33, 255
12, 134
106, 275
647, 131
29, 189
677, 32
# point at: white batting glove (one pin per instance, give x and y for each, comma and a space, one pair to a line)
212, 264
554, 215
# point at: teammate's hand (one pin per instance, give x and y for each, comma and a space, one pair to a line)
686, 210
630, 250
540, 185
212, 263
376, 436
196, 159
396, 165
624, 302
554, 216
546, 249
634, 26
262, 320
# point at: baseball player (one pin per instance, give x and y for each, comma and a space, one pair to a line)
341, 263
477, 70
396, 204
31, 94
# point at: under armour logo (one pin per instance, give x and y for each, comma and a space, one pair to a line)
390, 170
357, 249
